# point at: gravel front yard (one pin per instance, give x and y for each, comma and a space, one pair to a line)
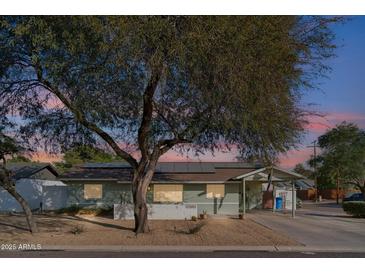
89, 230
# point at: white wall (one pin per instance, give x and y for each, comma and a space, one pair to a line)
53, 194
158, 211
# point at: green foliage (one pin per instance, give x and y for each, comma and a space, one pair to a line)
301, 169
8, 145
355, 208
78, 210
19, 159
85, 154
234, 79
343, 155
72, 210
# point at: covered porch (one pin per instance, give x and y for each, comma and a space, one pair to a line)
272, 178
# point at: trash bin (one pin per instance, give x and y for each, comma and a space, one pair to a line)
279, 202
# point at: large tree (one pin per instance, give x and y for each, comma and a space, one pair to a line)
82, 153
147, 84
342, 158
10, 147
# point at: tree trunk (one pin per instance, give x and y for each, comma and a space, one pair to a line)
337, 191
140, 184
28, 212
140, 212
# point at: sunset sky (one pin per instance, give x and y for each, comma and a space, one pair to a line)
341, 97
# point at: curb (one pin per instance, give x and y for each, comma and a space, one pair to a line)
113, 248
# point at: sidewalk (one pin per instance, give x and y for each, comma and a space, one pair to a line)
113, 248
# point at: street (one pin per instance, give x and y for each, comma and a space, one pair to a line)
184, 254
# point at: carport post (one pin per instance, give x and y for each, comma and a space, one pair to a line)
244, 197
293, 200
273, 198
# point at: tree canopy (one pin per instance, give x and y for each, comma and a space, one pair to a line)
8, 145
301, 169
147, 84
80, 154
219, 80
342, 155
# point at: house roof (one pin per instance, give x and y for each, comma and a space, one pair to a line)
168, 172
279, 174
26, 170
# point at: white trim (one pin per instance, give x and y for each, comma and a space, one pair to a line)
250, 173
297, 175
258, 171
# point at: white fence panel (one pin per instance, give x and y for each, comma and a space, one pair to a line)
158, 211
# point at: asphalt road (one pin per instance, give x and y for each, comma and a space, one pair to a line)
212, 254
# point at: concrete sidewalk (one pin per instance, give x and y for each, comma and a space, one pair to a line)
327, 230
114, 248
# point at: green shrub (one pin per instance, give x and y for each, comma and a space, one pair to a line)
77, 210
73, 209
78, 229
355, 208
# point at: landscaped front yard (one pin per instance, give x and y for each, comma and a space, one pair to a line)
88, 230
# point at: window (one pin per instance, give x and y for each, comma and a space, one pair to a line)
93, 191
215, 191
168, 193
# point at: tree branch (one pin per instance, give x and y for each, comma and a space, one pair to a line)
144, 129
80, 117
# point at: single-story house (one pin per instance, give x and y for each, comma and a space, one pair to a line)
38, 185
211, 187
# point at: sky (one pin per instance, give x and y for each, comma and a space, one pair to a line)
340, 97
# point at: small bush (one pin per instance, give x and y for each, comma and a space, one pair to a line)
195, 228
194, 218
78, 229
73, 209
355, 208
77, 210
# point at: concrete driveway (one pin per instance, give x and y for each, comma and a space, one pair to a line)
319, 226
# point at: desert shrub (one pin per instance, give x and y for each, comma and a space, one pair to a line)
195, 228
77, 210
78, 229
100, 211
355, 208
194, 218
73, 209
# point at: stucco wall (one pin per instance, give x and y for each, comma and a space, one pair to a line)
116, 193
35, 192
229, 204
112, 193
253, 195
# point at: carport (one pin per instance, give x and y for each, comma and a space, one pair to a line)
272, 175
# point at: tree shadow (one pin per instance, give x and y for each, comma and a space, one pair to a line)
14, 226
103, 224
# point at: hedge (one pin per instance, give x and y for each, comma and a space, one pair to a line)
355, 208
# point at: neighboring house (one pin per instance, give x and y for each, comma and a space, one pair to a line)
38, 185
215, 188
304, 184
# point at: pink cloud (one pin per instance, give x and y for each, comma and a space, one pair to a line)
293, 157
43, 156
320, 125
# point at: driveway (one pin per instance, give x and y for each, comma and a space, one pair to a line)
322, 225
